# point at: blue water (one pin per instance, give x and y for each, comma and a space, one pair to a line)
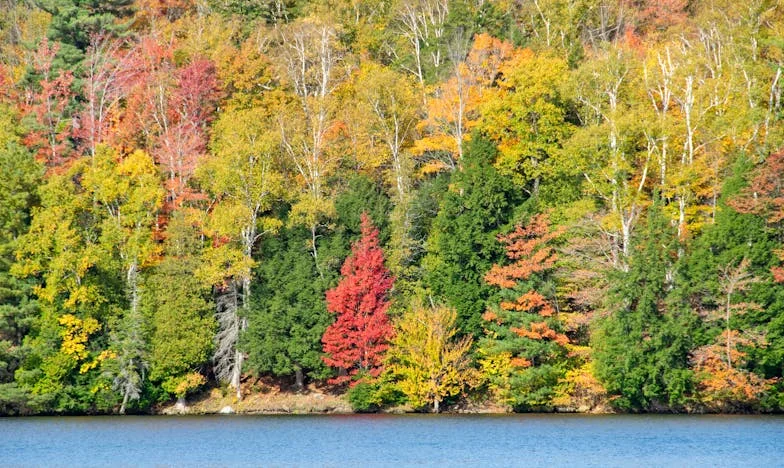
394, 440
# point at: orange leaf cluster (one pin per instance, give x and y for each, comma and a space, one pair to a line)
526, 245
490, 316
520, 362
531, 301
542, 331
722, 384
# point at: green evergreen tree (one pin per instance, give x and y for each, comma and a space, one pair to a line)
732, 239
19, 178
74, 22
289, 313
179, 313
462, 245
641, 349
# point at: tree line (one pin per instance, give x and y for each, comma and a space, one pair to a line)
536, 205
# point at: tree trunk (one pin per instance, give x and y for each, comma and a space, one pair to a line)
299, 378
181, 405
237, 373
436, 405
729, 335
124, 402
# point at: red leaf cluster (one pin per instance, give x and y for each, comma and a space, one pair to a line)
168, 111
357, 339
765, 194
47, 106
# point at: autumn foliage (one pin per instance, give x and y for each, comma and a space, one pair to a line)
524, 334
765, 197
47, 107
355, 343
181, 182
527, 246
723, 384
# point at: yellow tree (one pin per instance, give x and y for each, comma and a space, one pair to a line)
381, 114
526, 117
712, 94
452, 110
387, 110
611, 150
243, 177
128, 189
96, 220
426, 359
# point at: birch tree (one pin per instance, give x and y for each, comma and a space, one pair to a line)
619, 176
244, 179
313, 63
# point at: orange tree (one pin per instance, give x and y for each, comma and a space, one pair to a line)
523, 330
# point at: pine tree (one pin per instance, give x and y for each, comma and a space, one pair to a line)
179, 312
19, 177
75, 22
288, 315
462, 245
641, 349
356, 341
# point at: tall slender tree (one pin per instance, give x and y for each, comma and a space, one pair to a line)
356, 341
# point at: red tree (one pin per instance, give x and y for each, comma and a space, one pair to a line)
168, 110
357, 339
108, 76
183, 139
46, 108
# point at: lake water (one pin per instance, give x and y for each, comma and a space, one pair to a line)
394, 440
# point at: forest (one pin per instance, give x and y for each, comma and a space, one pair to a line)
534, 205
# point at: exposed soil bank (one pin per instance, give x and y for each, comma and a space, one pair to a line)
269, 396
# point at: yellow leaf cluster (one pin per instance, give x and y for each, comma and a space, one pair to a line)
428, 362
75, 334
88, 366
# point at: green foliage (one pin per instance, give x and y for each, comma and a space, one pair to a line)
180, 317
524, 349
734, 238
179, 313
362, 195
462, 245
363, 397
269, 11
19, 177
642, 349
371, 395
75, 21
288, 314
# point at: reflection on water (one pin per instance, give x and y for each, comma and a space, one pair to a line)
399, 440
